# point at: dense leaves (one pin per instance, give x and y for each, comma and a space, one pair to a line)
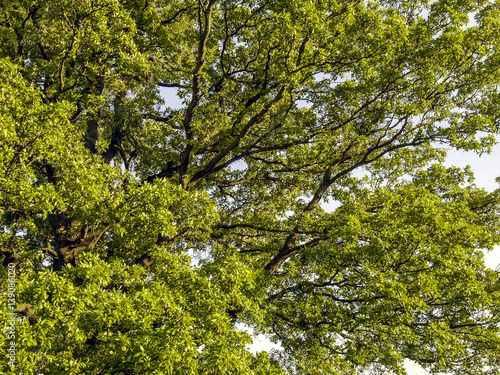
299, 188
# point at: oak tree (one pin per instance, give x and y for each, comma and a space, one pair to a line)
299, 189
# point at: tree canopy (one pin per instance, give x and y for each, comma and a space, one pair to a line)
299, 190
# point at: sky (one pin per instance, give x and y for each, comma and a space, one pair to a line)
486, 169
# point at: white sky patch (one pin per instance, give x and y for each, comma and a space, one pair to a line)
169, 94
260, 342
486, 167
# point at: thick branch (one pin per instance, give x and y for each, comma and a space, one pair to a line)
209, 167
195, 94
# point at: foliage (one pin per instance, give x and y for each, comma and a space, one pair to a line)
298, 190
